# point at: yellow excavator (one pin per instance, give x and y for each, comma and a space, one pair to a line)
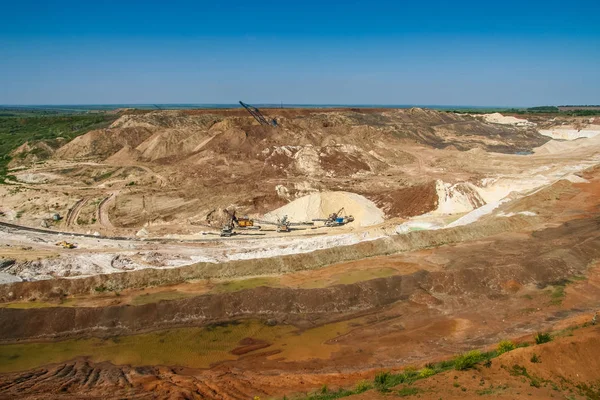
233, 221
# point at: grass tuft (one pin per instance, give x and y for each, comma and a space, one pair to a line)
467, 360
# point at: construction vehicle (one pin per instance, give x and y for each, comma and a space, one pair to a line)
233, 221
283, 224
336, 219
258, 116
65, 245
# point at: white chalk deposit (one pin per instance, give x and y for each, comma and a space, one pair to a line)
571, 133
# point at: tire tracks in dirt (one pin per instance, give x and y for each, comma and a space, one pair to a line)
74, 211
102, 211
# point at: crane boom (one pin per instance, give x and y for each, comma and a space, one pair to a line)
255, 112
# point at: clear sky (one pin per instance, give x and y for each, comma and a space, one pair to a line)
519, 53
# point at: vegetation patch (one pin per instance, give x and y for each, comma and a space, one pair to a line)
159, 296
542, 337
491, 390
505, 346
242, 284
18, 127
27, 304
468, 360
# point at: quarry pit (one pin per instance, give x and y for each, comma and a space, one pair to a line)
466, 230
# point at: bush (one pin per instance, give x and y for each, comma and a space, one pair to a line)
541, 338
467, 360
535, 358
505, 346
382, 380
362, 386
426, 372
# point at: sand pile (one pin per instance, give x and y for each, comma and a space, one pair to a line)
567, 132
562, 147
320, 205
497, 118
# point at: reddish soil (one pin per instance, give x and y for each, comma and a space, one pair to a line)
568, 367
407, 202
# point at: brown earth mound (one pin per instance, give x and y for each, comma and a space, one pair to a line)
30, 153
568, 367
103, 143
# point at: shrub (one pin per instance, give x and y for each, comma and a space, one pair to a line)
505, 346
426, 372
362, 386
409, 374
467, 360
541, 338
382, 380
535, 358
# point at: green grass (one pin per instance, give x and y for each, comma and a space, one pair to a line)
242, 284
557, 295
148, 298
17, 128
364, 275
27, 304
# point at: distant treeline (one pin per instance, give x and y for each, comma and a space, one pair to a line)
580, 106
576, 111
18, 127
544, 109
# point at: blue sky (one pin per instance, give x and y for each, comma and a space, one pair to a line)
519, 53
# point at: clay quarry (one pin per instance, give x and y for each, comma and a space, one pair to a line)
337, 253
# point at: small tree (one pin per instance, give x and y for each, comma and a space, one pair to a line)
541, 338
505, 346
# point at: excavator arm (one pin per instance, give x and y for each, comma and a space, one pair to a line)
255, 112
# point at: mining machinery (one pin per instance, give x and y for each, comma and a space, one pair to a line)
283, 224
258, 116
233, 221
336, 218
